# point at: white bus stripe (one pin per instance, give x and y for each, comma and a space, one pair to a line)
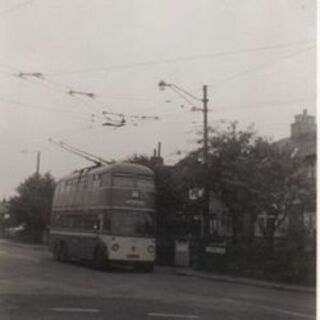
172, 315
92, 310
74, 233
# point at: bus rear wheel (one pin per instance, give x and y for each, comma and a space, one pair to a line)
64, 256
100, 259
56, 253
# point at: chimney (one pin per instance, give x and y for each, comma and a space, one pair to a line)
156, 158
304, 125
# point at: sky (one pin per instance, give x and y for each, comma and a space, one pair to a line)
258, 59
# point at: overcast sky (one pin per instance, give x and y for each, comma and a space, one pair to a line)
257, 58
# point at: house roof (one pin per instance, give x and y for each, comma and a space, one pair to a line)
303, 146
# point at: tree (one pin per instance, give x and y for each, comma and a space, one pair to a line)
32, 205
251, 175
228, 169
279, 184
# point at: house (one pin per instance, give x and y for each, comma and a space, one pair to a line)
302, 143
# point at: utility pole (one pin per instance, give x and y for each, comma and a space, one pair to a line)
38, 162
206, 196
205, 221
38, 152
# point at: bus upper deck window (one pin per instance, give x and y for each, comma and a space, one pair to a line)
106, 179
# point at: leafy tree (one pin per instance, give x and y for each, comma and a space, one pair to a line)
228, 168
251, 175
32, 205
142, 159
278, 185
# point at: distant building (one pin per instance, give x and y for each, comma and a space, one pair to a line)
303, 144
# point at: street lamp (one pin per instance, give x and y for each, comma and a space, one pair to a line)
162, 85
204, 100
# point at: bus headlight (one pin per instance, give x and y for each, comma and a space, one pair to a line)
151, 249
115, 247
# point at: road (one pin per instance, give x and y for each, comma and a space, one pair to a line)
34, 286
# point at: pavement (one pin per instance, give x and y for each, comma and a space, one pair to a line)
245, 281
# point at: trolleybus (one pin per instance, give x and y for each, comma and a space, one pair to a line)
105, 214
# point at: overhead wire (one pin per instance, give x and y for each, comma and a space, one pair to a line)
39, 81
181, 59
258, 67
33, 106
21, 104
271, 103
245, 72
239, 74
64, 89
95, 100
183, 97
222, 53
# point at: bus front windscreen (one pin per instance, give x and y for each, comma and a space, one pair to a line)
145, 182
131, 223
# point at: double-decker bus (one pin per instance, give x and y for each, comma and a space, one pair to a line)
105, 214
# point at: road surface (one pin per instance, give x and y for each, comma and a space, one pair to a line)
34, 286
